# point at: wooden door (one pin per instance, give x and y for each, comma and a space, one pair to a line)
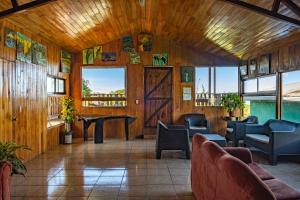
158, 83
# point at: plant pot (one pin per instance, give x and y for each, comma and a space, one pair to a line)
234, 113
68, 137
67, 127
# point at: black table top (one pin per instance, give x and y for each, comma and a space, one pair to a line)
105, 117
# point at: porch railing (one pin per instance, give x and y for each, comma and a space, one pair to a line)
206, 99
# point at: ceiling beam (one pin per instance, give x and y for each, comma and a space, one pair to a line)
292, 6
275, 6
19, 8
264, 11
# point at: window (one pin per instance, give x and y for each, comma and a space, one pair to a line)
104, 86
291, 96
55, 85
250, 86
227, 80
267, 84
213, 82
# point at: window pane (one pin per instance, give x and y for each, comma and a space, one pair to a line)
212, 78
250, 86
227, 80
60, 86
264, 107
50, 85
291, 96
267, 84
202, 80
103, 82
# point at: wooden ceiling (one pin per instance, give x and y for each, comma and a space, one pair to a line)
209, 25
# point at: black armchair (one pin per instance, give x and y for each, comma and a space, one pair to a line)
196, 123
172, 138
275, 137
236, 129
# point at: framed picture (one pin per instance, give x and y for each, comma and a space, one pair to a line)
65, 61
252, 67
10, 38
244, 68
135, 58
145, 42
23, 48
187, 74
127, 43
98, 53
39, 56
160, 59
88, 56
264, 64
108, 56
186, 93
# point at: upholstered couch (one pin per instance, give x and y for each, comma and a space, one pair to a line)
230, 174
275, 137
172, 137
236, 129
196, 123
5, 174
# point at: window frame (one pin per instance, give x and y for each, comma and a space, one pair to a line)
105, 98
260, 93
55, 81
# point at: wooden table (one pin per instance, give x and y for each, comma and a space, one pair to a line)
99, 120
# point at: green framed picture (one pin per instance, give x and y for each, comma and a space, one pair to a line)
88, 56
160, 59
187, 74
65, 61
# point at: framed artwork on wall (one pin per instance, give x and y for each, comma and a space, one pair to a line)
98, 53
145, 42
187, 93
187, 74
160, 59
65, 61
264, 64
88, 56
10, 38
244, 68
252, 67
39, 56
109, 56
127, 43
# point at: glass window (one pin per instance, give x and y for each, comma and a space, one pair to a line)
60, 86
250, 86
104, 86
266, 84
291, 96
50, 85
264, 107
227, 80
202, 86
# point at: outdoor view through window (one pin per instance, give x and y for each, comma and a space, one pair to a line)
104, 86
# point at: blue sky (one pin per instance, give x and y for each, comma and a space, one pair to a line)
291, 77
226, 79
104, 80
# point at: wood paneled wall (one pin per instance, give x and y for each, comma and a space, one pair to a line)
23, 95
178, 56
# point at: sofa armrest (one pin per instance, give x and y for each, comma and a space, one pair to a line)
256, 129
281, 138
241, 153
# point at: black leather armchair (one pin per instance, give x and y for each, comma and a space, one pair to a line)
236, 129
196, 123
275, 137
172, 138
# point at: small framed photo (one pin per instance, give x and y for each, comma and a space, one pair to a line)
187, 74
264, 64
252, 67
244, 68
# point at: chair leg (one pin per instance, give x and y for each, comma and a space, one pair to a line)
235, 143
158, 154
273, 159
188, 154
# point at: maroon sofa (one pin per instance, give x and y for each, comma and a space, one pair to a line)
5, 175
230, 174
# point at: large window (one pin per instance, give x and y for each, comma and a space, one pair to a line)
291, 96
104, 86
259, 95
55, 85
213, 82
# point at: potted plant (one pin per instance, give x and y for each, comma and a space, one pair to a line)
8, 153
68, 115
232, 103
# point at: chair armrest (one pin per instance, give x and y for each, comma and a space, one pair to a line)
241, 153
231, 124
256, 129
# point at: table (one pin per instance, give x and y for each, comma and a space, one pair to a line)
99, 120
214, 137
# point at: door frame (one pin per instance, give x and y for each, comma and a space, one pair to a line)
172, 91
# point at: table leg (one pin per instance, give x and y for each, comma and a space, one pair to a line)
85, 130
127, 128
98, 134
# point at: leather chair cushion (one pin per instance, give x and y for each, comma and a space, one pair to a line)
260, 172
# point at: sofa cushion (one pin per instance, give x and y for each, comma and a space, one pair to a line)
260, 172
230, 130
281, 190
259, 137
198, 128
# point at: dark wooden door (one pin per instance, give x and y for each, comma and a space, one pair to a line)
158, 95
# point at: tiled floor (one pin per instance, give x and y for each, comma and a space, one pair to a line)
116, 170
